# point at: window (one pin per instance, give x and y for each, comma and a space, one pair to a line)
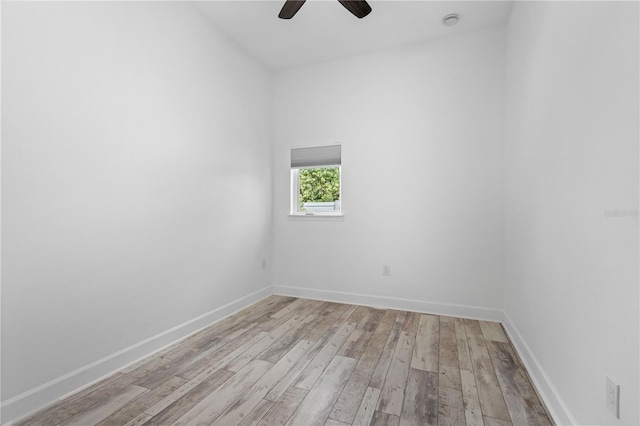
315, 180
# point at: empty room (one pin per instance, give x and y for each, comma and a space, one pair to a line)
320, 213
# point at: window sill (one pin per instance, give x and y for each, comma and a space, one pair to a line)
339, 217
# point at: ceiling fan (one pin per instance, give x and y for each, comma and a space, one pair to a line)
360, 8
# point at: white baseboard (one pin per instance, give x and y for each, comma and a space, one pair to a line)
47, 393
462, 311
547, 391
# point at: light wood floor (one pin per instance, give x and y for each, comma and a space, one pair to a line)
305, 362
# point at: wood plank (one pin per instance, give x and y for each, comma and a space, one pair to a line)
223, 353
138, 405
347, 313
394, 385
139, 420
521, 398
470, 399
371, 355
144, 371
490, 421
55, 409
492, 401
265, 322
103, 409
316, 406
278, 390
294, 308
314, 370
209, 339
204, 375
254, 417
384, 419
176, 404
207, 410
448, 355
262, 305
264, 343
337, 321
450, 407
281, 346
211, 334
331, 422
161, 374
289, 308
464, 359
269, 324
337, 317
236, 413
284, 407
223, 359
262, 311
350, 343
420, 405
347, 405
379, 374
425, 356
147, 360
358, 314
357, 343
411, 322
492, 331
328, 321
83, 400
367, 407
163, 370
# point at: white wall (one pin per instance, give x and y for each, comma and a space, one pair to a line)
571, 272
422, 146
135, 184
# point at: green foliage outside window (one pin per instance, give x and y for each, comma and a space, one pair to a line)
319, 185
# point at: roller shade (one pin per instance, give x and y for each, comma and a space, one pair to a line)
330, 155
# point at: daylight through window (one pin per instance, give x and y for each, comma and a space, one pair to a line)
315, 180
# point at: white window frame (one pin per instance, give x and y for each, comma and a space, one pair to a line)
295, 193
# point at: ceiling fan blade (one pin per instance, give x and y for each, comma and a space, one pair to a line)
359, 8
290, 8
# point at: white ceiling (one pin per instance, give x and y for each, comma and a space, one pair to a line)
324, 30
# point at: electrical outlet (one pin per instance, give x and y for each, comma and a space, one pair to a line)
386, 270
613, 397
